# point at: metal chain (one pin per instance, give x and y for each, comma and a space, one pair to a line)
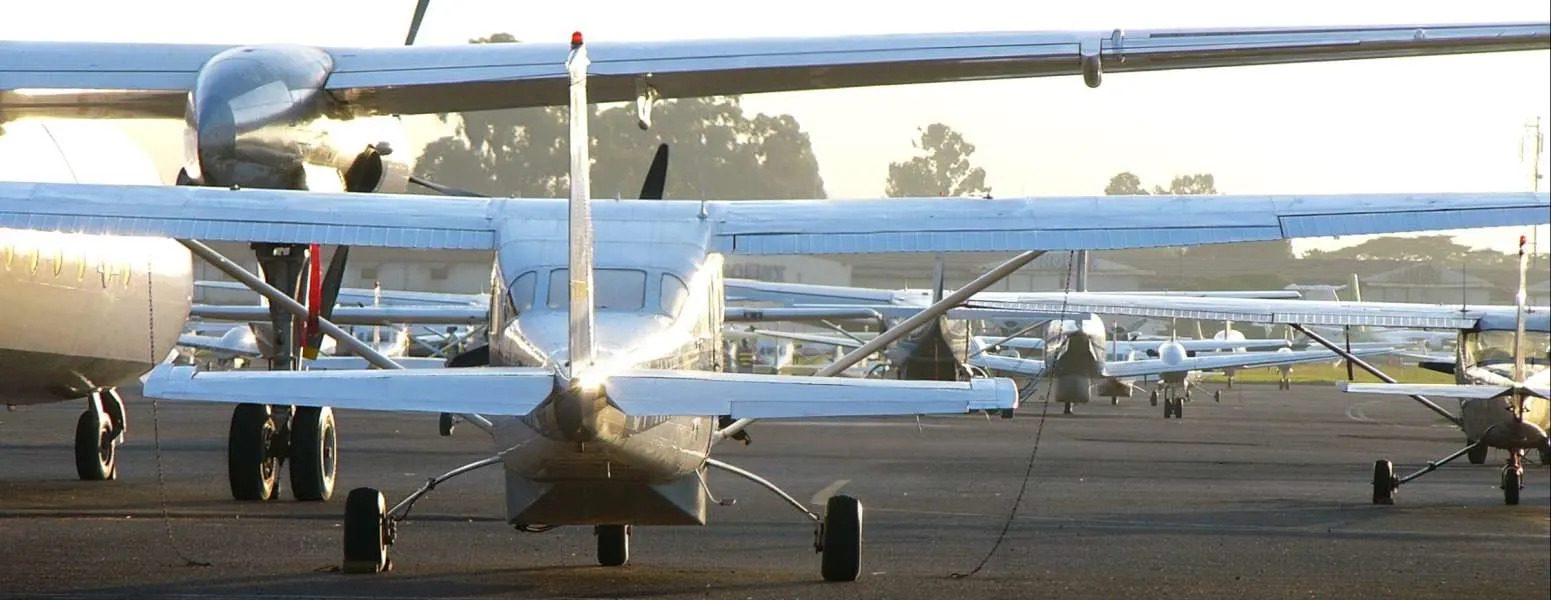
1028, 471
156, 426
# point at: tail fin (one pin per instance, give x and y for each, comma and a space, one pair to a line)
580, 274
939, 280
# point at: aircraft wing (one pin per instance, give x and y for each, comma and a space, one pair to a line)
832, 340
1306, 312
740, 395
890, 225
356, 315
1196, 345
1212, 362
365, 297
356, 363
513, 391
115, 79
216, 344
813, 313
996, 363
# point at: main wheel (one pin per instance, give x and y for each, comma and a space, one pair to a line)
1067, 408
1512, 482
1179, 407
613, 544
314, 457
251, 465
1153, 397
1477, 455
842, 553
1384, 482
445, 424
96, 458
1114, 400
1217, 396
366, 535
1168, 407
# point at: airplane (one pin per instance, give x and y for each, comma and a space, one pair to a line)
603, 415
1503, 380
258, 116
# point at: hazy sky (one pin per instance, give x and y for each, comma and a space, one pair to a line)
1427, 124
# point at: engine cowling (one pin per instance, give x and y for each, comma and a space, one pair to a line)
1172, 352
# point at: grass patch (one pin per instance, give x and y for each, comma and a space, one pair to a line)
1326, 373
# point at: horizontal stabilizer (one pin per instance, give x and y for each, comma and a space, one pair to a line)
1233, 360
513, 391
997, 363
740, 395
1426, 389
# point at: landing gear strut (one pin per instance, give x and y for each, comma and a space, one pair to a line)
98, 434
370, 527
838, 536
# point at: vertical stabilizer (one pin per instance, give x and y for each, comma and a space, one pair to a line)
580, 237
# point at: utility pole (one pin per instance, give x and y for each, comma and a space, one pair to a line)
1537, 145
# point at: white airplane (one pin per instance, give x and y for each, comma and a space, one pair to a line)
642, 453
1504, 386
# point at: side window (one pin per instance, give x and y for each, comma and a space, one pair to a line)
522, 291
674, 293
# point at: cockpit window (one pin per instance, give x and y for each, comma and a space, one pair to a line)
522, 291
674, 293
613, 289
1496, 347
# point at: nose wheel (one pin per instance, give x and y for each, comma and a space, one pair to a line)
1512, 481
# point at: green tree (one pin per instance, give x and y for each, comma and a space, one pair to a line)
718, 151
941, 169
1425, 248
1200, 183
1125, 184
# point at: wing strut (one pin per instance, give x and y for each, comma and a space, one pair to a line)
1352, 359
934, 311
280, 299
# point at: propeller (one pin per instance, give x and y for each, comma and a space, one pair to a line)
445, 190
414, 22
656, 175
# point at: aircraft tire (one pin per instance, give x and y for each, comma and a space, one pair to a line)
613, 544
1114, 401
251, 465
842, 554
96, 458
1477, 455
1179, 407
1512, 482
1153, 397
366, 536
445, 424
1217, 396
1545, 456
1384, 482
314, 454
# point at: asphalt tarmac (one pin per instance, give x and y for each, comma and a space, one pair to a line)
1265, 494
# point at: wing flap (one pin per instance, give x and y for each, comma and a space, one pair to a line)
680, 393
512, 391
1426, 389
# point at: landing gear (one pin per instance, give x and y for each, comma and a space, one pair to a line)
98, 433
1179, 406
1384, 482
252, 460
1114, 400
1153, 398
1217, 396
445, 424
1512, 479
1066, 408
841, 539
613, 544
366, 532
1477, 454
313, 453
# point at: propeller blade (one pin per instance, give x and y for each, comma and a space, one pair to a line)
445, 190
656, 175
328, 296
414, 22
310, 328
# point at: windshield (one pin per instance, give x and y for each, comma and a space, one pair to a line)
1496, 347
612, 289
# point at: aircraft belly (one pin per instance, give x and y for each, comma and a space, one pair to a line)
625, 475
1479, 414
39, 377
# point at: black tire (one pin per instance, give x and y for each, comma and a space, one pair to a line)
1217, 396
842, 555
1512, 482
366, 536
445, 425
613, 544
1066, 408
314, 453
1153, 397
251, 466
1114, 401
1168, 407
96, 458
1477, 455
1383, 482
1545, 456
1179, 407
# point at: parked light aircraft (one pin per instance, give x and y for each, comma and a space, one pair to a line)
603, 370
1503, 380
257, 116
